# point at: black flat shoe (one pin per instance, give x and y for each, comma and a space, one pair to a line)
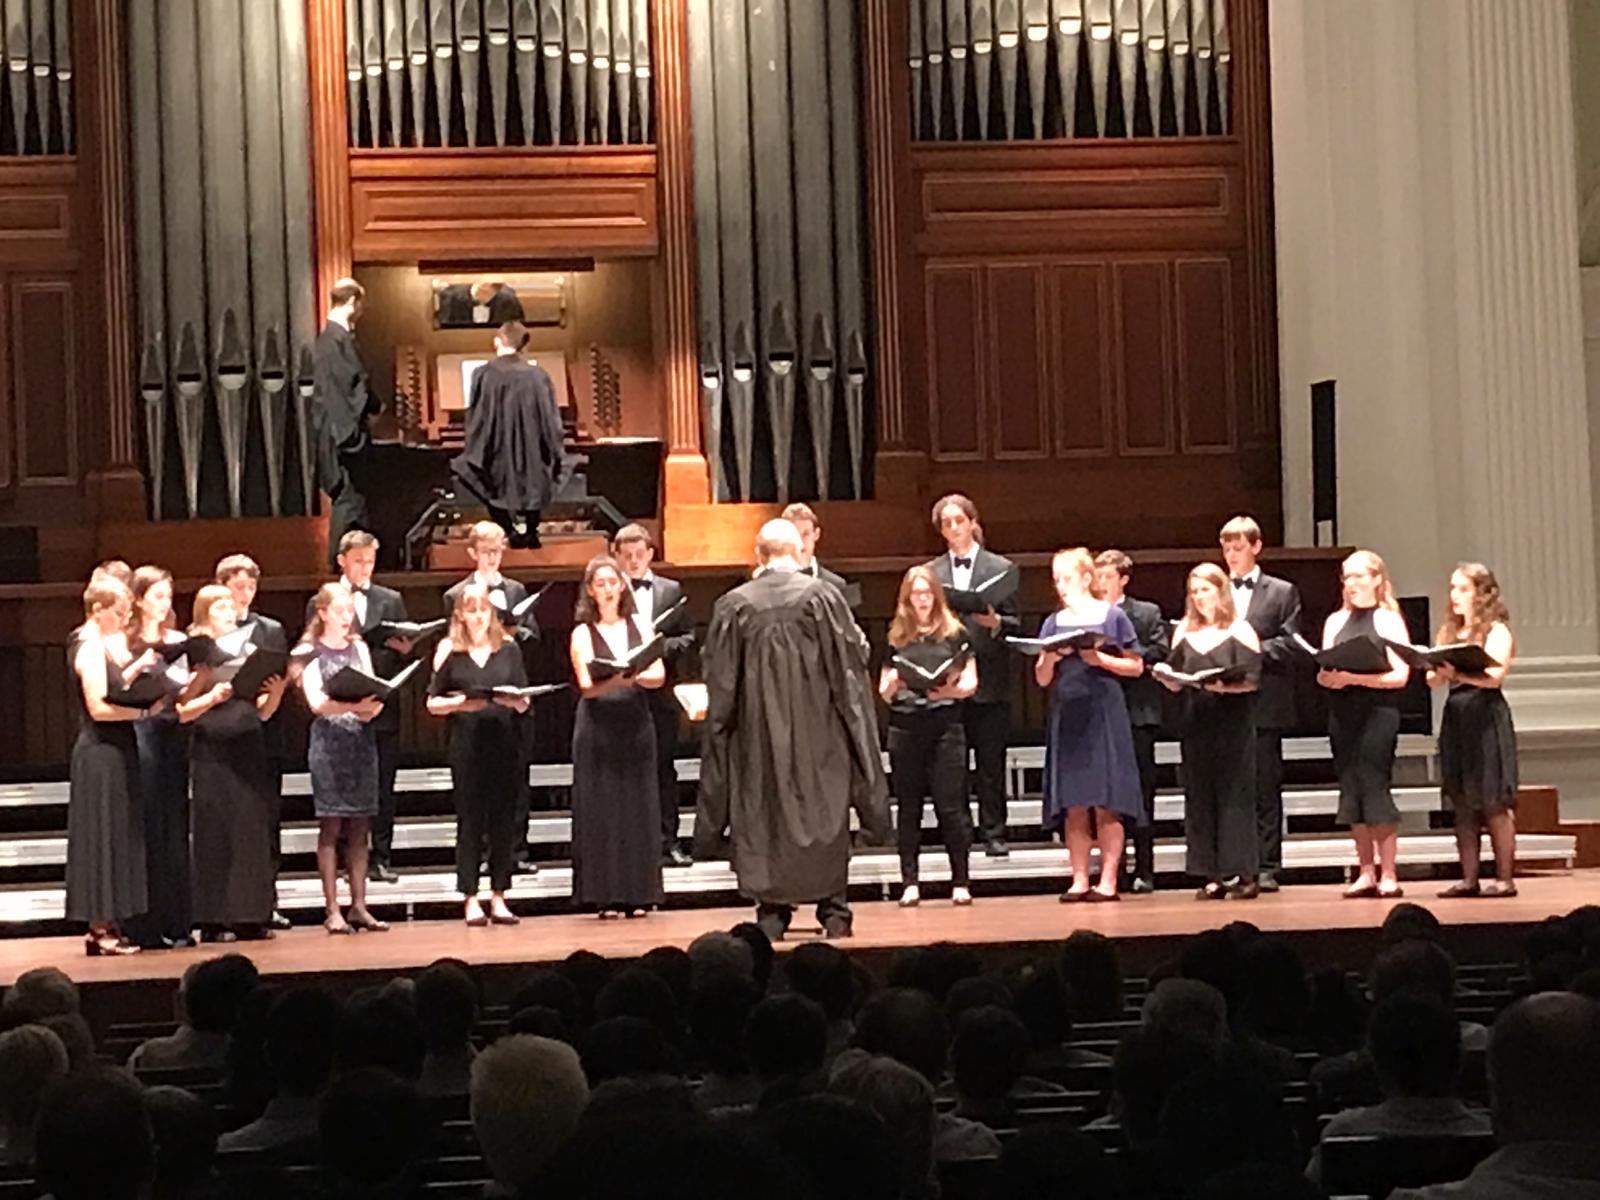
1368, 891
1071, 897
1498, 890
1244, 891
504, 919
1096, 896
1394, 893
219, 936
1211, 891
478, 922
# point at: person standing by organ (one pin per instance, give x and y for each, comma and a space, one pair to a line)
1143, 696
1218, 737
1364, 722
654, 597
233, 814
927, 743
342, 757
513, 457
342, 407
488, 772
1477, 743
986, 714
1272, 606
616, 813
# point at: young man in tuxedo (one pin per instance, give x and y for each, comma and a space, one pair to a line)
1143, 694
342, 405
358, 558
653, 597
1272, 606
241, 576
804, 519
486, 548
986, 714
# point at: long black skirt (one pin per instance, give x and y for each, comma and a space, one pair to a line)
616, 816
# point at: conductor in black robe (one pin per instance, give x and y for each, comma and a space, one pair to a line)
342, 405
513, 456
791, 740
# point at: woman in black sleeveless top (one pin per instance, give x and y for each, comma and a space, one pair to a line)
1364, 722
927, 744
616, 820
1477, 743
1222, 848
486, 759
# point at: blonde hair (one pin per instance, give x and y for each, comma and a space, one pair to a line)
235, 564
905, 628
1244, 527
471, 597
116, 569
1217, 578
326, 595
1488, 607
102, 592
1367, 560
485, 531
204, 600
1076, 561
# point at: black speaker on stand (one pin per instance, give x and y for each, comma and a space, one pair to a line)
1324, 466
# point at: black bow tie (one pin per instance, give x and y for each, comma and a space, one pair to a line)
358, 591
1247, 584
965, 563
641, 585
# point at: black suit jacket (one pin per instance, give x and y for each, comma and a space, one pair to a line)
383, 604
1275, 616
990, 649
1155, 643
679, 630
527, 625
817, 571
269, 635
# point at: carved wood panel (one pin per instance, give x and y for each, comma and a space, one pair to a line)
44, 386
956, 347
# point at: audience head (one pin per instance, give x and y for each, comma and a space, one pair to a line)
719, 1013
1544, 1070
393, 1128
673, 966
761, 952
1419, 967
822, 973
1091, 969
1044, 1004
1216, 957
785, 1036
31, 1060
1337, 1018
302, 1037
41, 992
540, 1021
527, 1095
717, 956
1415, 1044
1277, 994
978, 992
1050, 1162
1216, 1119
75, 1035
638, 992
381, 1031
622, 1047
1407, 921
989, 1053
447, 1006
838, 1148
1145, 1068
908, 1026
100, 1110
588, 972
903, 1100
543, 988
185, 1132
213, 990
1187, 1010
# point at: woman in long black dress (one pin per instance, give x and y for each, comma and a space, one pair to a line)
105, 824
486, 759
927, 744
163, 777
616, 822
1477, 743
1219, 737
1364, 723
233, 811
342, 757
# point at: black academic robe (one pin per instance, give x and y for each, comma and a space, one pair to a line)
791, 739
513, 455
1275, 616
988, 646
342, 402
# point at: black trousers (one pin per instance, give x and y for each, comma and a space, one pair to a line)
383, 824
1269, 799
987, 728
774, 918
347, 491
928, 758
1143, 835
485, 789
1218, 774
664, 715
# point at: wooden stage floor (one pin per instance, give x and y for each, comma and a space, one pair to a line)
1022, 923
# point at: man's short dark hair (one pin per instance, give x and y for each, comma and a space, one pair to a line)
1415, 1043
357, 539
392, 1126
1119, 559
906, 1025
639, 992
1044, 1005
185, 1130
761, 951
822, 973
1144, 1070
381, 1031
1092, 970
960, 501
302, 1039
719, 1010
988, 1053
620, 1047
1419, 967
545, 988
214, 989
447, 1006
94, 1140
630, 533
841, 1148
344, 291
513, 334
785, 1036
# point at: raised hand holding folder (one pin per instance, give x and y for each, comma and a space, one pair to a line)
411, 631
350, 684
981, 597
629, 664
1067, 639
1467, 658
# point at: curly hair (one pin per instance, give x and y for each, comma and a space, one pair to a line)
1488, 608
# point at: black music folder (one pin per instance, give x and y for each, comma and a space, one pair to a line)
352, 683
995, 590
631, 663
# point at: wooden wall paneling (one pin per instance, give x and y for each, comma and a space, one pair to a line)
1082, 373
1018, 364
38, 216
330, 142
45, 381
8, 443
956, 388
1208, 395
1142, 303
1253, 127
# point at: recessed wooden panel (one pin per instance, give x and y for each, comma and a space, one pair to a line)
955, 362
1143, 303
43, 324
1205, 339
1018, 373
1088, 195
1080, 339
8, 442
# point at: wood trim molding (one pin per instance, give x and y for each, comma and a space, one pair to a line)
330, 149
888, 138
1253, 106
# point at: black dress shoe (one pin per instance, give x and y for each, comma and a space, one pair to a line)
526, 866
1267, 881
279, 921
382, 873
676, 856
836, 927
219, 936
997, 848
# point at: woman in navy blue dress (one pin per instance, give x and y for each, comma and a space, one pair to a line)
1090, 774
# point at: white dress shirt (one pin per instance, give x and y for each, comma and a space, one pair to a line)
360, 602
644, 600
961, 577
496, 587
1242, 595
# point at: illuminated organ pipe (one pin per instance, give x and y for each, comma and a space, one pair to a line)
1178, 52
1200, 40
1222, 44
983, 60
1126, 23
417, 54
957, 51
525, 45
1036, 47
469, 49
1008, 42
1153, 34
622, 63
578, 68
914, 61
933, 55
497, 53
1098, 14
1067, 15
